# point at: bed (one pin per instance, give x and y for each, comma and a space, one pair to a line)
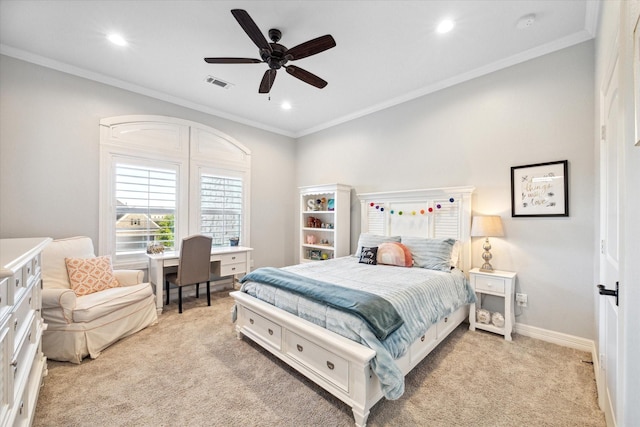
358, 359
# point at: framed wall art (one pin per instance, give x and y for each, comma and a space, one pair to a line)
540, 189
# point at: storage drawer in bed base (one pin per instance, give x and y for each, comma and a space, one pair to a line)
340, 366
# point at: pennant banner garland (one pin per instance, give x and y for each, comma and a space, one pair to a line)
421, 211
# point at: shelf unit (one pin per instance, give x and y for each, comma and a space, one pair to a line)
325, 215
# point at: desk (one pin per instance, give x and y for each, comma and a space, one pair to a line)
225, 261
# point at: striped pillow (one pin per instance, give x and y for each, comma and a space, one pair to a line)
370, 240
434, 254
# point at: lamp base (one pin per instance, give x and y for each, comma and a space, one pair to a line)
487, 268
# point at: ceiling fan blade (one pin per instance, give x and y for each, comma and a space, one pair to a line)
306, 76
250, 27
267, 81
232, 60
311, 47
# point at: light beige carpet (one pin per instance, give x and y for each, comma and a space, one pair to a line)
190, 370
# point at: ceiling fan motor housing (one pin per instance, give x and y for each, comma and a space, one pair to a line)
276, 58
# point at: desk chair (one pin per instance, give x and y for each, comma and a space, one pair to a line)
193, 267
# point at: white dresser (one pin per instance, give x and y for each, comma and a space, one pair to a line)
22, 363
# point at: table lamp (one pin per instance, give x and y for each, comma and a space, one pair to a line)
486, 226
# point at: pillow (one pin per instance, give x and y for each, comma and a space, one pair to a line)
370, 240
394, 253
368, 255
434, 254
455, 253
89, 275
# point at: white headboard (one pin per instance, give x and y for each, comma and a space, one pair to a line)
432, 213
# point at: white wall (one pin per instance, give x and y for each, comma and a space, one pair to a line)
49, 154
471, 134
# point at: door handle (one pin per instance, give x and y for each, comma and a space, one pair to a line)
613, 293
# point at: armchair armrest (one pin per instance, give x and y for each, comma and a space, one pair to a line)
129, 277
63, 299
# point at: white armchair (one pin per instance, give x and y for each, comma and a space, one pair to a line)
80, 326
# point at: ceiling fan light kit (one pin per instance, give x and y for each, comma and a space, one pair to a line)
275, 55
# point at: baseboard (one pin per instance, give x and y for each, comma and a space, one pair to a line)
559, 338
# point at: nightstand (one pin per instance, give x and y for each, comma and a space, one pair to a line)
500, 284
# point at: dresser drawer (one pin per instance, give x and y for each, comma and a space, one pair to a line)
326, 364
23, 316
231, 269
489, 284
25, 351
266, 330
4, 295
234, 258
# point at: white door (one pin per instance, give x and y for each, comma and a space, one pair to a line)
610, 341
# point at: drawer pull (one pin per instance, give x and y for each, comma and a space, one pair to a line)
15, 325
29, 337
422, 338
17, 283
233, 257
446, 319
299, 347
0, 300
270, 331
330, 365
251, 321
21, 407
29, 300
233, 269
28, 270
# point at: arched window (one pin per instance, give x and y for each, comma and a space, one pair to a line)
162, 179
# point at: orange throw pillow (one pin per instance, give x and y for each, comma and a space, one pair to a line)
89, 275
393, 253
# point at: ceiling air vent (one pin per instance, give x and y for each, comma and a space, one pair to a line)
217, 82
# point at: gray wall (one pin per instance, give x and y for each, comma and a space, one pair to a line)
471, 134
49, 158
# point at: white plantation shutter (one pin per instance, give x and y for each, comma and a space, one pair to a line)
145, 207
447, 219
221, 208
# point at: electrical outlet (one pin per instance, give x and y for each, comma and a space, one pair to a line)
521, 300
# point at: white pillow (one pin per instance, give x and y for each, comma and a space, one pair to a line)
373, 240
455, 253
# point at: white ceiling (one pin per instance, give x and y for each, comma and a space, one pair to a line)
387, 51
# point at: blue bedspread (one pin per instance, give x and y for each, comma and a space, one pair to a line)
375, 311
421, 297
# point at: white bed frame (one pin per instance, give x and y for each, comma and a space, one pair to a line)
337, 364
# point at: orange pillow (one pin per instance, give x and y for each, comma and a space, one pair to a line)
89, 275
394, 253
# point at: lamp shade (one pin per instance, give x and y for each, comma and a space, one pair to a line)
487, 226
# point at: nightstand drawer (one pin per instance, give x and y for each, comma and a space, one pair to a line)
489, 284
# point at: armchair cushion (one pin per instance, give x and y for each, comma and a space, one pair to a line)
54, 268
89, 275
129, 277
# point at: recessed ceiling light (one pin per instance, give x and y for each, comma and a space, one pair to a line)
445, 26
286, 105
117, 39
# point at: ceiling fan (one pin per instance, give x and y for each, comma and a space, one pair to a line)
275, 55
